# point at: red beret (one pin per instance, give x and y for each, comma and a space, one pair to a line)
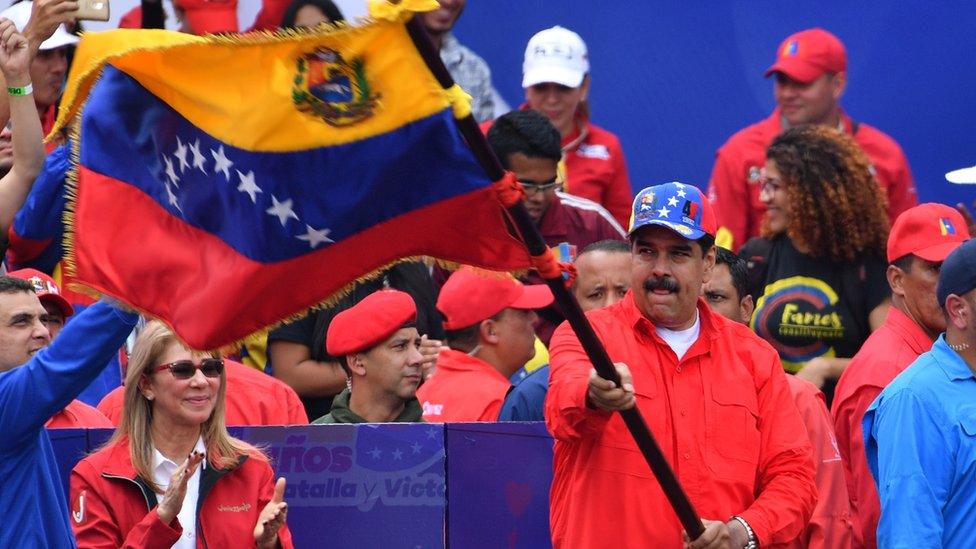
369, 322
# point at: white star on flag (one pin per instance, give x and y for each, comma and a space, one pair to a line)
181, 155
198, 158
172, 199
315, 237
170, 172
221, 163
672, 201
663, 212
281, 210
248, 185
681, 193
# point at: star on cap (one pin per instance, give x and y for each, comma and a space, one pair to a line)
673, 201
221, 163
315, 237
248, 185
181, 155
663, 212
281, 210
681, 193
198, 158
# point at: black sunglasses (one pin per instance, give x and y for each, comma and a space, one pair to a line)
185, 369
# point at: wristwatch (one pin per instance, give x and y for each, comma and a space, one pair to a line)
753, 542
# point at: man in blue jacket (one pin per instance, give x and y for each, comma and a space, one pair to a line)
36, 381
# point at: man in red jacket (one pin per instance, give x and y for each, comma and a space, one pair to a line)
712, 392
920, 240
811, 75
488, 317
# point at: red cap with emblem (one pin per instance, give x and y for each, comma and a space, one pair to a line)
45, 288
930, 231
806, 55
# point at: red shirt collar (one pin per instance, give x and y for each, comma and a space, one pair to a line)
912, 333
458, 361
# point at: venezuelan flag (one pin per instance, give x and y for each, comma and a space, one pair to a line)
227, 183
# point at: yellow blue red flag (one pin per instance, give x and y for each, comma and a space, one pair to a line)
227, 183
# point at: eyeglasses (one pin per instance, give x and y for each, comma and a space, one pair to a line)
532, 187
185, 369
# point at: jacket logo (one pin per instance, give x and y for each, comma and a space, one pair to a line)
79, 515
242, 508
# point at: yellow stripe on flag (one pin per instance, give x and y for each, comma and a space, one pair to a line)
240, 88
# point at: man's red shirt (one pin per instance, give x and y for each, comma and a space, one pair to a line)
889, 350
723, 415
831, 526
78, 415
463, 388
734, 186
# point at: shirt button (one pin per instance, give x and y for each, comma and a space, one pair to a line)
687, 455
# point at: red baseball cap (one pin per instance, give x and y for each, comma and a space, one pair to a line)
930, 231
369, 322
806, 55
471, 295
209, 16
45, 288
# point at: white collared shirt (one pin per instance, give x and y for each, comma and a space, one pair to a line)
163, 469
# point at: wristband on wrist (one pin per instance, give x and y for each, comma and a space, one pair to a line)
753, 543
21, 90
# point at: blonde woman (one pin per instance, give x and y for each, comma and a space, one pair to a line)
171, 475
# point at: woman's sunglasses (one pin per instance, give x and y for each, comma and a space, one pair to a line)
185, 369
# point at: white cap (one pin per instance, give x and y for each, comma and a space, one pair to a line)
19, 14
555, 55
962, 176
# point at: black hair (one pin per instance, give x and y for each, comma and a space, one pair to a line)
608, 245
466, 339
737, 270
904, 262
706, 241
325, 6
12, 285
527, 132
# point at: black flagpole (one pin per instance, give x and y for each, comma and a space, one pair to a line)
567, 302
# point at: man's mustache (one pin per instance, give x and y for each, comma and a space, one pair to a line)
663, 283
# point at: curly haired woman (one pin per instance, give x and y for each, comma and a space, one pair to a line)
822, 288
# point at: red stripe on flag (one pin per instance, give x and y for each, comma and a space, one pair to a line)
128, 246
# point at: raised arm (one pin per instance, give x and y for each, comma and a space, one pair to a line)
15, 60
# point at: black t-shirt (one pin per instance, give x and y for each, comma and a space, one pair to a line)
310, 330
810, 308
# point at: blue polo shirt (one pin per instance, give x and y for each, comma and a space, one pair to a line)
920, 438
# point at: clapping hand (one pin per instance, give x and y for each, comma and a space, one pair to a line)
172, 500
272, 518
